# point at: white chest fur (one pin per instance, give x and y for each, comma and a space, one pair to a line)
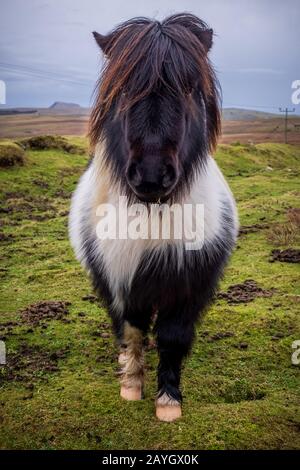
121, 257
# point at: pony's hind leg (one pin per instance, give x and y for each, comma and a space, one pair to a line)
131, 360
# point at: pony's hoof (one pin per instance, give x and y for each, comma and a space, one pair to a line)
168, 413
132, 393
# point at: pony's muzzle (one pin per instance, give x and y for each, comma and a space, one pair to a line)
152, 181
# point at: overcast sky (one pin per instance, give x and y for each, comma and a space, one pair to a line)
256, 51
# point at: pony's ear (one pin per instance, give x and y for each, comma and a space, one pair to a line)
198, 27
102, 41
205, 36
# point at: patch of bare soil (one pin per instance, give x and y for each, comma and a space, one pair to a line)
242, 345
62, 194
7, 329
30, 361
93, 299
15, 195
6, 237
41, 183
26, 207
99, 331
45, 310
36, 315
90, 298
290, 255
244, 293
244, 229
220, 335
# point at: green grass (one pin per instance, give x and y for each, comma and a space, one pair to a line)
234, 398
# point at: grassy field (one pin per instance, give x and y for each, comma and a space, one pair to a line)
257, 130
59, 389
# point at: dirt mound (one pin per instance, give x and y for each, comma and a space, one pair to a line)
44, 142
290, 255
220, 335
244, 293
45, 310
11, 154
90, 298
29, 361
7, 329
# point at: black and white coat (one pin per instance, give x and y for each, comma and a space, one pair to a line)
139, 277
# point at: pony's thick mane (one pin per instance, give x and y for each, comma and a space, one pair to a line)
145, 54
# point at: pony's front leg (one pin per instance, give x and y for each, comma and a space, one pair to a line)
175, 332
131, 359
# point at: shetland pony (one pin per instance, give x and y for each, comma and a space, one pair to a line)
153, 128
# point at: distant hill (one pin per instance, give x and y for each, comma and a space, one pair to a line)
57, 108
61, 105
237, 114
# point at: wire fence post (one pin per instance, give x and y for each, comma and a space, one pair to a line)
286, 111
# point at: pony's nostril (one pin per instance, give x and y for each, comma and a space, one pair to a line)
133, 174
169, 177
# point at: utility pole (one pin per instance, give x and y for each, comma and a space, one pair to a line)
287, 112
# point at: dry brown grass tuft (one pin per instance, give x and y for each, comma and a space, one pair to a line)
45, 142
293, 216
283, 234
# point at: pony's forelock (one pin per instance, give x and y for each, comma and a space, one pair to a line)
143, 54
